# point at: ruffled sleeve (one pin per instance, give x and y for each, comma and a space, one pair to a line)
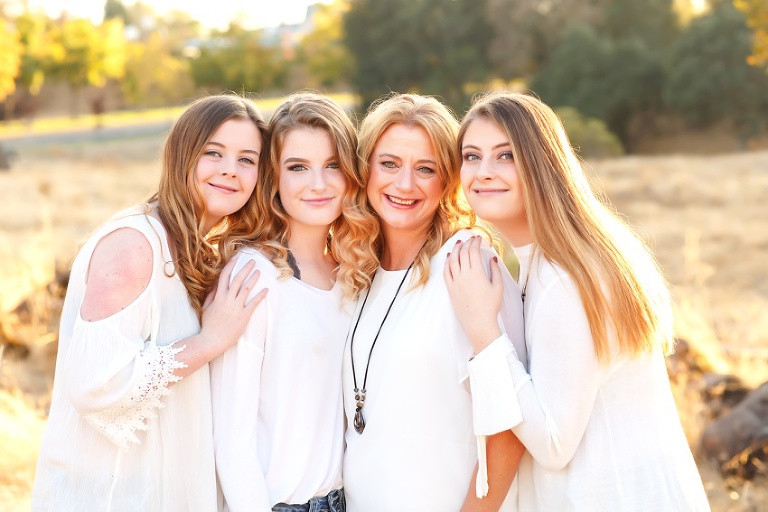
114, 376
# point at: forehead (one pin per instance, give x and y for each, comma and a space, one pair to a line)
406, 140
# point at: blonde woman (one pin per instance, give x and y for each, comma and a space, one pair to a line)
278, 418
600, 425
415, 405
130, 421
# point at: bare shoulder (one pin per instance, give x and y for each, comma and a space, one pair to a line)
119, 271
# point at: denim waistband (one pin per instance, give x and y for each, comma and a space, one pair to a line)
333, 502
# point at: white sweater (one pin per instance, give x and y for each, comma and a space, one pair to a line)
118, 438
599, 437
277, 404
419, 447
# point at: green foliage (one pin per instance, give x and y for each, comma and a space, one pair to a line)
590, 137
10, 58
237, 60
756, 12
612, 81
322, 52
154, 76
653, 22
427, 46
710, 79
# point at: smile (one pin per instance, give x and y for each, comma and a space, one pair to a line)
223, 188
401, 202
489, 191
320, 201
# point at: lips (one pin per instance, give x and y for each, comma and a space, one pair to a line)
223, 188
320, 201
400, 201
490, 190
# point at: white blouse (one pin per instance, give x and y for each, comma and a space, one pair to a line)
419, 448
118, 438
599, 437
277, 404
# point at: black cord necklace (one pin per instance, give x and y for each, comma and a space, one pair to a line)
359, 422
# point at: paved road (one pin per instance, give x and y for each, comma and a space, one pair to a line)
106, 133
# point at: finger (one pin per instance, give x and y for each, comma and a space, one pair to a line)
466, 262
447, 274
453, 261
475, 247
256, 300
495, 271
209, 298
225, 275
237, 282
248, 285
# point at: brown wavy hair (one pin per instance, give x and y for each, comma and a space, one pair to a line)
618, 279
442, 128
180, 203
271, 231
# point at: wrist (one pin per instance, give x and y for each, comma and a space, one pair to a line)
484, 335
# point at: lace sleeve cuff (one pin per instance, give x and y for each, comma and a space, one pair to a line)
152, 376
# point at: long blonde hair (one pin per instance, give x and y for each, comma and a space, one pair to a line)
271, 230
180, 203
619, 281
442, 128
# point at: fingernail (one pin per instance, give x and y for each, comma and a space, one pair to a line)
448, 255
458, 242
495, 259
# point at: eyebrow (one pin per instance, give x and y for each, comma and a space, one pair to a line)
497, 146
423, 160
219, 144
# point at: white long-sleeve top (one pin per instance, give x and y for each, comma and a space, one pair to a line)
418, 450
599, 436
117, 437
277, 401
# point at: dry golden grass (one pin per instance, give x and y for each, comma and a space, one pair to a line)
705, 218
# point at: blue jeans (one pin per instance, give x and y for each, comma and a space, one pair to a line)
334, 502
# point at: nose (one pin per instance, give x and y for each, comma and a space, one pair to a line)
484, 169
318, 180
404, 178
229, 167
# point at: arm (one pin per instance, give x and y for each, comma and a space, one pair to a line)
235, 392
504, 452
113, 378
557, 395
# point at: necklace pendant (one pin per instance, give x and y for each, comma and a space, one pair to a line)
359, 422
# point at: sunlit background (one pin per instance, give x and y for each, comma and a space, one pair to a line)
666, 101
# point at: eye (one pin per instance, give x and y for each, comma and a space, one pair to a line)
388, 164
333, 165
247, 160
297, 167
213, 153
425, 171
507, 155
470, 157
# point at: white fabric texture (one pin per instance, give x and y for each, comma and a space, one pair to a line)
277, 399
419, 449
118, 438
599, 437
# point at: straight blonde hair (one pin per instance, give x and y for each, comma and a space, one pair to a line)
619, 282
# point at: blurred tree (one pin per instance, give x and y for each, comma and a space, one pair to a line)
589, 137
116, 9
237, 60
427, 46
154, 76
612, 81
710, 79
91, 55
654, 22
756, 12
525, 32
322, 52
10, 58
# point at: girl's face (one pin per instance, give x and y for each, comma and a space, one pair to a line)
403, 187
226, 171
490, 178
312, 183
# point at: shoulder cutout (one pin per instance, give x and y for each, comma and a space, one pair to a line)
119, 271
